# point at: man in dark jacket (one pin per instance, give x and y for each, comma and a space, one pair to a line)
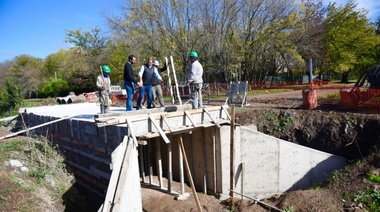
129, 81
147, 73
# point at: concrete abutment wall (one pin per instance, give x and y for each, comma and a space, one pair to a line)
270, 165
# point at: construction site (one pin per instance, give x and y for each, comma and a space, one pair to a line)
247, 147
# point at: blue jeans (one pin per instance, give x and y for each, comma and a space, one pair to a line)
129, 87
196, 96
148, 89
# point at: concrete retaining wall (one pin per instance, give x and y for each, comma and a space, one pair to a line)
270, 165
273, 165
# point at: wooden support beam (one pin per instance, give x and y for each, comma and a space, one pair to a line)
166, 121
132, 132
141, 163
191, 120
215, 122
163, 135
175, 81
232, 153
169, 80
118, 160
181, 173
159, 162
170, 169
150, 167
142, 142
214, 159
189, 174
204, 150
35, 127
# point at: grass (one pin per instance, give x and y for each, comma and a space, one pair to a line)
268, 91
31, 102
23, 190
331, 96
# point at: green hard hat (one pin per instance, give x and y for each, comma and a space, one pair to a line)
193, 54
106, 69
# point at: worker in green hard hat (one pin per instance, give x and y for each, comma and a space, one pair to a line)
103, 83
195, 81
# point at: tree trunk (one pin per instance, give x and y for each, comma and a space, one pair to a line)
344, 77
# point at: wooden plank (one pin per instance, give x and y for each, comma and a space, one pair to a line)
35, 127
163, 135
191, 120
142, 142
132, 132
166, 121
215, 122
141, 163
175, 81
169, 80
204, 150
189, 175
121, 118
118, 158
159, 163
180, 130
170, 169
150, 167
181, 173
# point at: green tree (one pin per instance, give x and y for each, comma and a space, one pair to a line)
54, 88
26, 72
90, 51
10, 97
351, 40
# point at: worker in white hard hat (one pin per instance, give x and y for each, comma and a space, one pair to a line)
157, 96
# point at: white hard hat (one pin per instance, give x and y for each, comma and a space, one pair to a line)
156, 63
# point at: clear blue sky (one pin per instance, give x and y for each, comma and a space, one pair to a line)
38, 27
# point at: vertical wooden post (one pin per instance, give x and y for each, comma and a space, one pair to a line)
159, 162
181, 173
141, 162
169, 81
232, 153
214, 159
242, 179
170, 171
204, 161
175, 81
150, 167
189, 175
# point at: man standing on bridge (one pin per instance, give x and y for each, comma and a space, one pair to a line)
103, 83
129, 81
195, 81
147, 73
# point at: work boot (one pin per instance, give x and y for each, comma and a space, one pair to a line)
106, 109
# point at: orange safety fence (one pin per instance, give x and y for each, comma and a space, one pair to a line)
361, 99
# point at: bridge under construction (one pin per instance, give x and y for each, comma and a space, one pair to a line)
112, 154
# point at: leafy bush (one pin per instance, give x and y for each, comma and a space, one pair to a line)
10, 98
54, 88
